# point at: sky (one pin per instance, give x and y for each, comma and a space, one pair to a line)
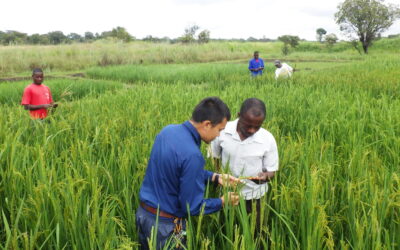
223, 18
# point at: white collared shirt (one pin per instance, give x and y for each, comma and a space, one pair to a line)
284, 71
247, 158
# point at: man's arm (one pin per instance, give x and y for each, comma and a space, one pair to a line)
277, 71
192, 188
289, 68
270, 161
251, 67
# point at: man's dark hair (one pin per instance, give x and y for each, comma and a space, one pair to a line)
255, 106
37, 70
256, 52
212, 109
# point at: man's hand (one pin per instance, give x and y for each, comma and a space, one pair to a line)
227, 180
232, 198
263, 177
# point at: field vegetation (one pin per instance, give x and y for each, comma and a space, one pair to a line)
19, 60
73, 182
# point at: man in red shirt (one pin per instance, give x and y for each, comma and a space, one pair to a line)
37, 97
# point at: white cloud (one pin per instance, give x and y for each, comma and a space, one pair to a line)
224, 18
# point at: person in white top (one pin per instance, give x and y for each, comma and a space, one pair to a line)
282, 70
250, 151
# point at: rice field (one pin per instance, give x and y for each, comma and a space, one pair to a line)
73, 183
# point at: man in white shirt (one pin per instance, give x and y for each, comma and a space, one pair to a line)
250, 151
282, 70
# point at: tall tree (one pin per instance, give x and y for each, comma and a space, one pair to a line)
75, 37
34, 39
204, 36
13, 37
287, 40
122, 34
89, 36
331, 39
366, 18
320, 33
56, 37
188, 36
293, 41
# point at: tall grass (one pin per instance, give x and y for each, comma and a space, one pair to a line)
173, 73
20, 60
61, 89
73, 183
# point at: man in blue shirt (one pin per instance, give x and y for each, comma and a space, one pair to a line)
175, 179
256, 65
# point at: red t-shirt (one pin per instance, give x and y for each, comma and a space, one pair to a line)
37, 95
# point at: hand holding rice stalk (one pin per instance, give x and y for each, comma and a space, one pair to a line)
261, 178
227, 180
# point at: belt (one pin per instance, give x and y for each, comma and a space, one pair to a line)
177, 221
154, 211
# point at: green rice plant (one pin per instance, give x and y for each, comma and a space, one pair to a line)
73, 182
61, 89
20, 60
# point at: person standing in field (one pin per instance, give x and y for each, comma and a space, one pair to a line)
256, 65
175, 180
37, 97
282, 70
250, 152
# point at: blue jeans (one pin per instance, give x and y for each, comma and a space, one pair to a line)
144, 223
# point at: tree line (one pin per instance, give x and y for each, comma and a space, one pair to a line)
363, 21
11, 37
192, 34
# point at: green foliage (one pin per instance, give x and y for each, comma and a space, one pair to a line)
73, 183
75, 37
285, 49
56, 37
204, 36
34, 39
89, 36
331, 39
121, 34
12, 37
320, 33
366, 19
174, 73
17, 59
288, 40
61, 89
293, 41
394, 36
188, 36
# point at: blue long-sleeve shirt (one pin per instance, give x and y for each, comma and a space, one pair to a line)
175, 175
254, 64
